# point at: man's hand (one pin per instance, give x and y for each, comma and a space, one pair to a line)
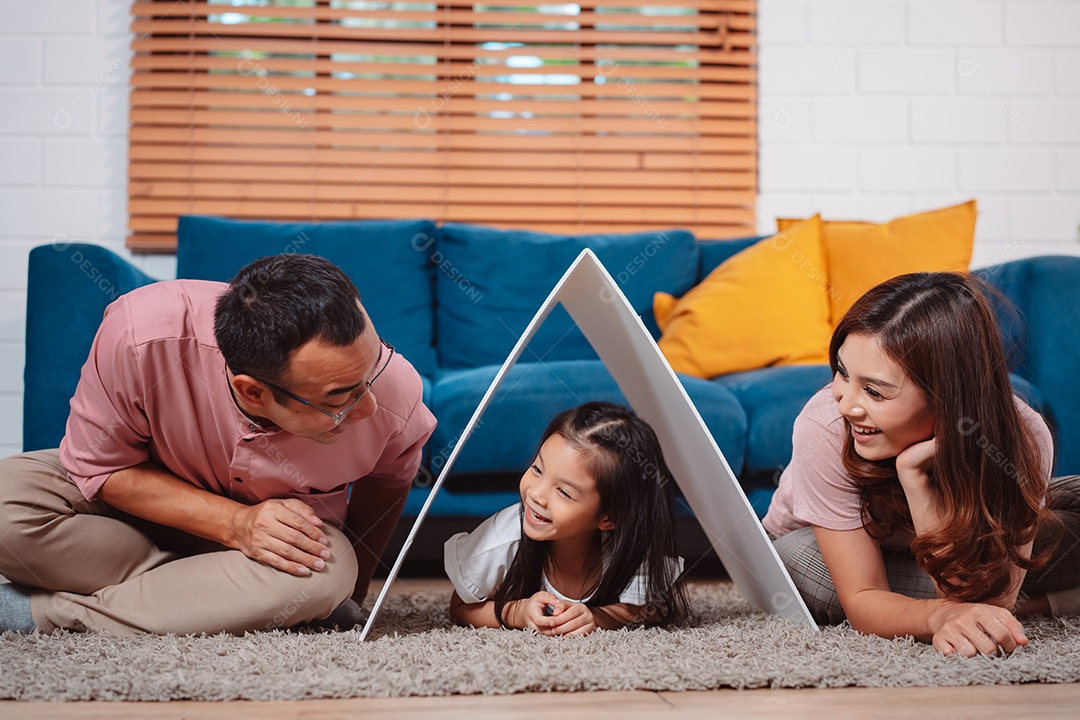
284, 534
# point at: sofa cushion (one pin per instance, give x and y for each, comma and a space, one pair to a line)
1043, 336
490, 282
384, 258
1013, 284
772, 399
715, 252
764, 306
532, 394
1027, 391
862, 254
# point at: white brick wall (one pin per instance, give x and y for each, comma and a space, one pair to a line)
898, 169
873, 109
869, 109
873, 120
1067, 72
1042, 23
903, 72
956, 22
63, 154
864, 23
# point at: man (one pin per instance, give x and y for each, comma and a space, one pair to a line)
203, 483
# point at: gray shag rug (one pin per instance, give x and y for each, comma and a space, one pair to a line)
414, 650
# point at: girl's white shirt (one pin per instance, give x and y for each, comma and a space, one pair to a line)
477, 562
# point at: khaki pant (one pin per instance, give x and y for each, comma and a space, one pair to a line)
99, 569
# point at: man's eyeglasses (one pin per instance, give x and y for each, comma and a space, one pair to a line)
337, 417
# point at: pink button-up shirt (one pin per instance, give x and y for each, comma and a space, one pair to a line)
155, 388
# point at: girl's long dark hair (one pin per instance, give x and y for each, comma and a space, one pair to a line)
940, 328
623, 455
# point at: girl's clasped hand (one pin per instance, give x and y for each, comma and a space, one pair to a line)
549, 615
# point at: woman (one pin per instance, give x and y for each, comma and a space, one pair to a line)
918, 496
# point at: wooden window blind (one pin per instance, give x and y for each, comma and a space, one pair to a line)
595, 116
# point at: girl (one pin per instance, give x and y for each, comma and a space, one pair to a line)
917, 498
592, 542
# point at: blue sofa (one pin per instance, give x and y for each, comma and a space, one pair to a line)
455, 298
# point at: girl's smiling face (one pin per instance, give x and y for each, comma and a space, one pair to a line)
560, 496
887, 410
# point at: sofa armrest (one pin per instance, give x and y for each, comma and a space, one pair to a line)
68, 287
1045, 291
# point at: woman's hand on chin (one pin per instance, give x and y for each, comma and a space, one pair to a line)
913, 464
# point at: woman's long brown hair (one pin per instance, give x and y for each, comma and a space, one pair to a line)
941, 329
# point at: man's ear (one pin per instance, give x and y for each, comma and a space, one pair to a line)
606, 524
251, 392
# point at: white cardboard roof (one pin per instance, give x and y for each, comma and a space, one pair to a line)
595, 302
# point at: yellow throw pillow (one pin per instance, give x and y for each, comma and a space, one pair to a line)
861, 254
766, 305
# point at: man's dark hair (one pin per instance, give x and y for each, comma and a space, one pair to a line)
276, 304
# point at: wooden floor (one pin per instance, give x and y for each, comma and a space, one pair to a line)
978, 702
1014, 701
